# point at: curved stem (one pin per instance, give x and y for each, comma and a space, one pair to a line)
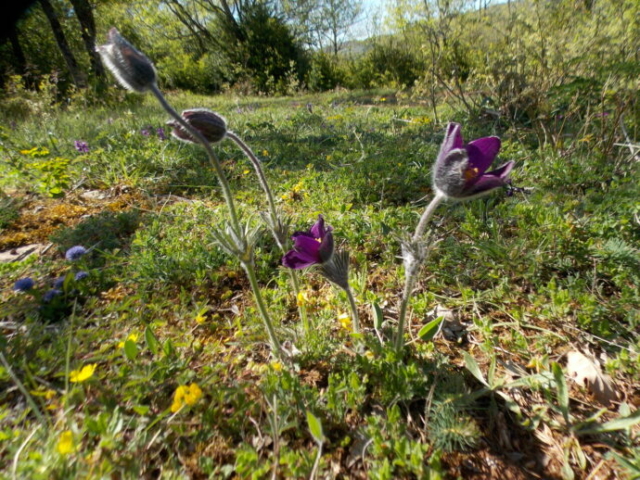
275, 221
354, 311
426, 216
410, 276
226, 190
257, 165
262, 308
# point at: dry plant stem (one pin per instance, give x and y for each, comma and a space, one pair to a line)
264, 313
257, 165
354, 311
226, 190
411, 275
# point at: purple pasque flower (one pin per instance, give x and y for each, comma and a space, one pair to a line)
460, 170
160, 133
145, 132
310, 248
212, 126
131, 67
24, 284
75, 253
81, 146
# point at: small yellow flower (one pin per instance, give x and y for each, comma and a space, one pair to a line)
132, 336
186, 395
200, 319
345, 321
246, 171
303, 298
65, 443
79, 376
265, 153
277, 366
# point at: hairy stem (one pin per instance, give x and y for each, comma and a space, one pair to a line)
354, 311
226, 190
262, 308
412, 273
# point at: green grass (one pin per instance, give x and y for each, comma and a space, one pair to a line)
528, 277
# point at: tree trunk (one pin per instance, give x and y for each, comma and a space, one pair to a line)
84, 13
61, 40
18, 53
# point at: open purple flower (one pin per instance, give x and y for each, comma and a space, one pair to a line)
24, 284
75, 253
460, 171
81, 146
310, 248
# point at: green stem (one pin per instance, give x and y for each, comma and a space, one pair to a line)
23, 390
275, 221
296, 291
426, 216
226, 189
354, 311
257, 165
264, 313
415, 268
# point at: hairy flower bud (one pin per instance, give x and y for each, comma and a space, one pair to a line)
211, 126
131, 67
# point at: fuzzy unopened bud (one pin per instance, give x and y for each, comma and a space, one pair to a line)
336, 269
210, 125
131, 67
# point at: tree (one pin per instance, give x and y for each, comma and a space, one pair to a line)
334, 19
70, 60
84, 13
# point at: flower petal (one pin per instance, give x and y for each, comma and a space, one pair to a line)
453, 138
298, 260
501, 171
326, 247
307, 244
318, 229
482, 152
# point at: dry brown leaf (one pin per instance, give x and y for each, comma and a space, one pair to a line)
586, 372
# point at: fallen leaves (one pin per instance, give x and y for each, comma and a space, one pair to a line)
586, 372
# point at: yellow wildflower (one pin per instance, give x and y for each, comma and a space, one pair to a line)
277, 366
65, 443
265, 153
78, 376
132, 336
246, 171
303, 298
200, 319
345, 321
186, 395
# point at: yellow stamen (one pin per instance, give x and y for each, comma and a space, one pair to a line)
470, 173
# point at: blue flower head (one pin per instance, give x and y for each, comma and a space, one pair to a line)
81, 275
74, 253
24, 284
50, 295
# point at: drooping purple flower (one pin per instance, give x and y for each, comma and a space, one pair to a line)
310, 248
50, 295
460, 170
75, 253
81, 275
212, 126
131, 67
24, 284
160, 133
81, 146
